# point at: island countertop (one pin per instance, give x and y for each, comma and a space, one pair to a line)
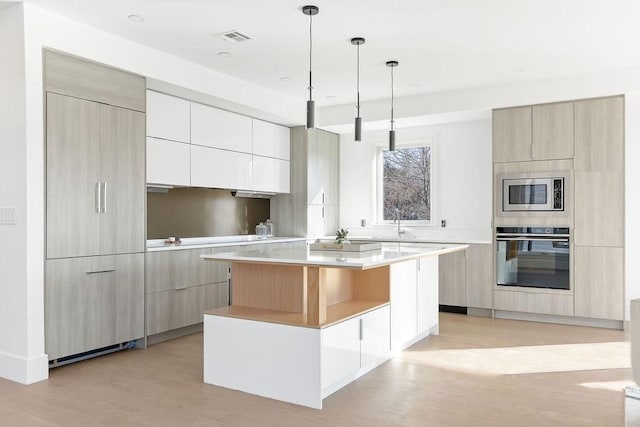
388, 254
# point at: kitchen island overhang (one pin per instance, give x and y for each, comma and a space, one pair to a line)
302, 323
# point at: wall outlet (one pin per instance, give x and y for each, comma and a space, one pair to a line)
363, 222
443, 223
8, 216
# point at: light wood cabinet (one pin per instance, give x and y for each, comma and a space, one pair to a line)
271, 140
312, 207
599, 282
182, 307
534, 302
479, 272
599, 213
98, 150
512, 134
217, 128
168, 162
552, 131
93, 302
453, 279
214, 168
599, 131
75, 77
168, 117
73, 176
179, 269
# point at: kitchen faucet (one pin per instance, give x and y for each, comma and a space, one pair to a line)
400, 230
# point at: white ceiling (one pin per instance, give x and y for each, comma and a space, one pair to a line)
441, 45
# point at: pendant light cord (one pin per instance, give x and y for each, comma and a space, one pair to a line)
310, 50
392, 122
358, 79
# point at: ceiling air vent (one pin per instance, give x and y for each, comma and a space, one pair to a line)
234, 36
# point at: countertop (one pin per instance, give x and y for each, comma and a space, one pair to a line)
156, 245
389, 253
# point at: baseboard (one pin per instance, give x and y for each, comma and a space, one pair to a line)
174, 333
452, 309
479, 312
24, 370
565, 320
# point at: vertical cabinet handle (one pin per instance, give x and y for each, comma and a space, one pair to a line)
361, 330
98, 193
323, 212
323, 197
104, 197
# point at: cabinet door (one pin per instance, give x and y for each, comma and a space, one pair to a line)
599, 135
168, 117
375, 338
179, 269
427, 293
270, 174
220, 129
340, 351
330, 220
271, 140
213, 168
512, 134
404, 315
599, 282
93, 302
479, 266
73, 173
553, 131
315, 221
183, 307
123, 173
322, 168
453, 279
168, 162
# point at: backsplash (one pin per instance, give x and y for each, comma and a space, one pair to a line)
200, 212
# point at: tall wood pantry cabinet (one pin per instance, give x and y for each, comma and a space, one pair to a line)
311, 209
95, 206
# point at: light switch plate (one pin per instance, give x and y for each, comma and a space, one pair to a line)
8, 216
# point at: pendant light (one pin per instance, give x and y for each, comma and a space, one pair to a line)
392, 130
310, 10
358, 124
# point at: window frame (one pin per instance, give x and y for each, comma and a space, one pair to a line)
422, 142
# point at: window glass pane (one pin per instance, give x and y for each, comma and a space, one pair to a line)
406, 176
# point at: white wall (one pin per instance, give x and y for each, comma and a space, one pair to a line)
462, 180
20, 360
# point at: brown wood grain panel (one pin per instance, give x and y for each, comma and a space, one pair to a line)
268, 286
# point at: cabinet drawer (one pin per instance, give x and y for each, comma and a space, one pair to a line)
93, 302
178, 269
179, 308
533, 302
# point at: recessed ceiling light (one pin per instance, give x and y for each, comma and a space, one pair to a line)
331, 97
518, 70
285, 78
135, 18
224, 54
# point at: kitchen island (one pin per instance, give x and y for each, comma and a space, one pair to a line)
303, 324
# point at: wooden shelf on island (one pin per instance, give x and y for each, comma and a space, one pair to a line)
336, 313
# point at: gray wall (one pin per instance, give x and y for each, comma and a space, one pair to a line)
200, 212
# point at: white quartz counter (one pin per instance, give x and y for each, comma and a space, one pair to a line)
213, 242
389, 253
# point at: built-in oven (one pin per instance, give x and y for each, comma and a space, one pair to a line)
533, 257
524, 194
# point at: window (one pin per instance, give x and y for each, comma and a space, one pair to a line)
404, 184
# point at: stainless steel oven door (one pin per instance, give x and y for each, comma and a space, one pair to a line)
534, 262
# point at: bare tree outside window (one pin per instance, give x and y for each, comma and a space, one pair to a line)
406, 179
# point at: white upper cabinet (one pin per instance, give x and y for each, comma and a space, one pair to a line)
270, 174
220, 129
271, 140
168, 162
215, 168
168, 117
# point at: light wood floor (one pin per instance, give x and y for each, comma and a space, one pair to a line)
445, 380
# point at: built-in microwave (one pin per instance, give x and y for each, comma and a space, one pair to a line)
533, 194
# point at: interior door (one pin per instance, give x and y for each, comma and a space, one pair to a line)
123, 180
73, 173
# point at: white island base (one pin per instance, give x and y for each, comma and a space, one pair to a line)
298, 333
